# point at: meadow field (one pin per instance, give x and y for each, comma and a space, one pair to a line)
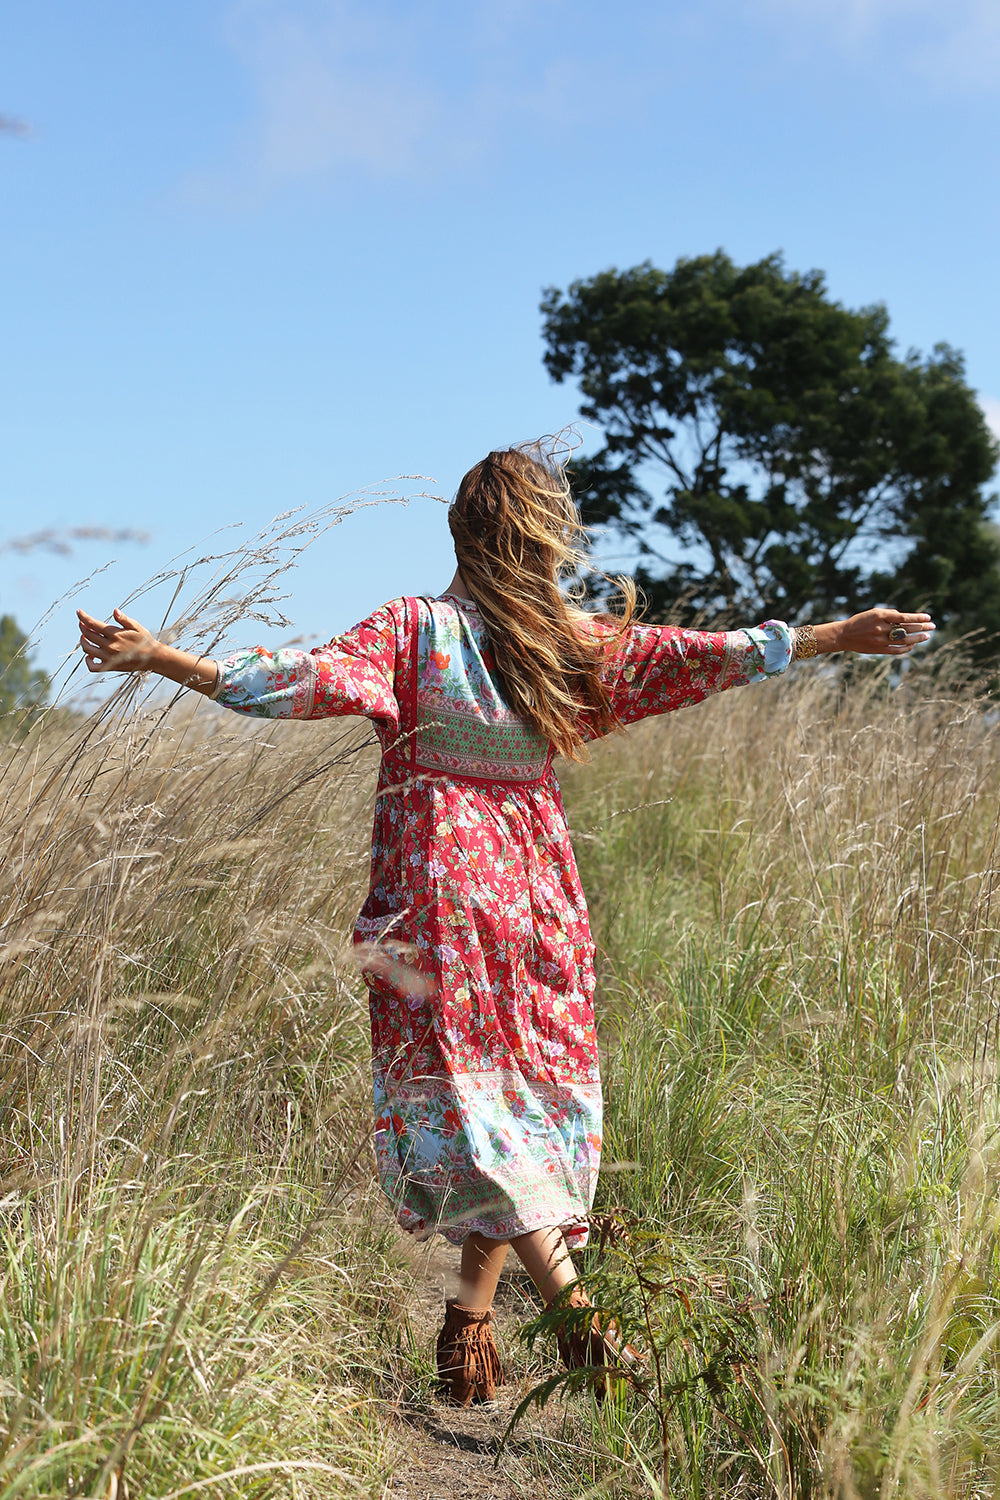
792, 890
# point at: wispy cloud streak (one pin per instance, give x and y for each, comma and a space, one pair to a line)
953, 44
396, 91
11, 125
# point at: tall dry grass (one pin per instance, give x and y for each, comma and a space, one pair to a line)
800, 949
793, 894
195, 1295
183, 1094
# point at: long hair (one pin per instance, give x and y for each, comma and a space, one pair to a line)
518, 538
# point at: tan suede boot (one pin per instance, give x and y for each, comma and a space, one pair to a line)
593, 1345
468, 1363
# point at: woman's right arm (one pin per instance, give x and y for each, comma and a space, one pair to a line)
353, 674
128, 646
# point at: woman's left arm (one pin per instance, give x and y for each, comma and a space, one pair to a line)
659, 668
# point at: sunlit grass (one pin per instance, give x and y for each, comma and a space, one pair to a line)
197, 1293
189, 1286
792, 891
799, 955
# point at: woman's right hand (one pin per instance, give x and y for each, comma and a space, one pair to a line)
125, 646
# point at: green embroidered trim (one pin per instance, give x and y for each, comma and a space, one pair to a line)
464, 743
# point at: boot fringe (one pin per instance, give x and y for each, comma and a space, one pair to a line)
468, 1361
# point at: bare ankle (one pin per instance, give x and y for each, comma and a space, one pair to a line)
472, 1298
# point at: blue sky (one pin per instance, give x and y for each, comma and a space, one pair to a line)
259, 253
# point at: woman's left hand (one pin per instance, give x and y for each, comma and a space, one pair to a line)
871, 633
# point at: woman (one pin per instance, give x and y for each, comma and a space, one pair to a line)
474, 935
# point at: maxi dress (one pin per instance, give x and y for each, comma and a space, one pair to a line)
474, 938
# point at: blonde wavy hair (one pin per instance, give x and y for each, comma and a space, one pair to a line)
518, 542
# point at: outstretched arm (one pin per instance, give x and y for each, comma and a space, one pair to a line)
352, 674
127, 646
657, 668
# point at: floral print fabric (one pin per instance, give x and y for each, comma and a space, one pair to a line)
474, 937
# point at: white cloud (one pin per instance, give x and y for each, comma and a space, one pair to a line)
859, 14
967, 52
991, 411
330, 91
853, 20
415, 89
389, 89
949, 42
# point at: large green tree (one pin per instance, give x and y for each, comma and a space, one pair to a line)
800, 464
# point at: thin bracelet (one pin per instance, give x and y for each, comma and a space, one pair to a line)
803, 643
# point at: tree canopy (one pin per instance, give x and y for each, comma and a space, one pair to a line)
803, 467
22, 686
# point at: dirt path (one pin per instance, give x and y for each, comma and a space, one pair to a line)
450, 1454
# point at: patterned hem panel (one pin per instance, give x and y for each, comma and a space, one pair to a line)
576, 1233
493, 1153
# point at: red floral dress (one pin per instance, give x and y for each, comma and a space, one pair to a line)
475, 939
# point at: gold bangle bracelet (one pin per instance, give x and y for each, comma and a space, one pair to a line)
804, 643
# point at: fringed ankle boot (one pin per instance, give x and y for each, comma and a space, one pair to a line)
468, 1363
590, 1345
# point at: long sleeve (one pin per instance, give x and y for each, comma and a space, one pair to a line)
355, 673
657, 668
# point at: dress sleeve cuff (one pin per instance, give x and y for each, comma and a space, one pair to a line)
775, 643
